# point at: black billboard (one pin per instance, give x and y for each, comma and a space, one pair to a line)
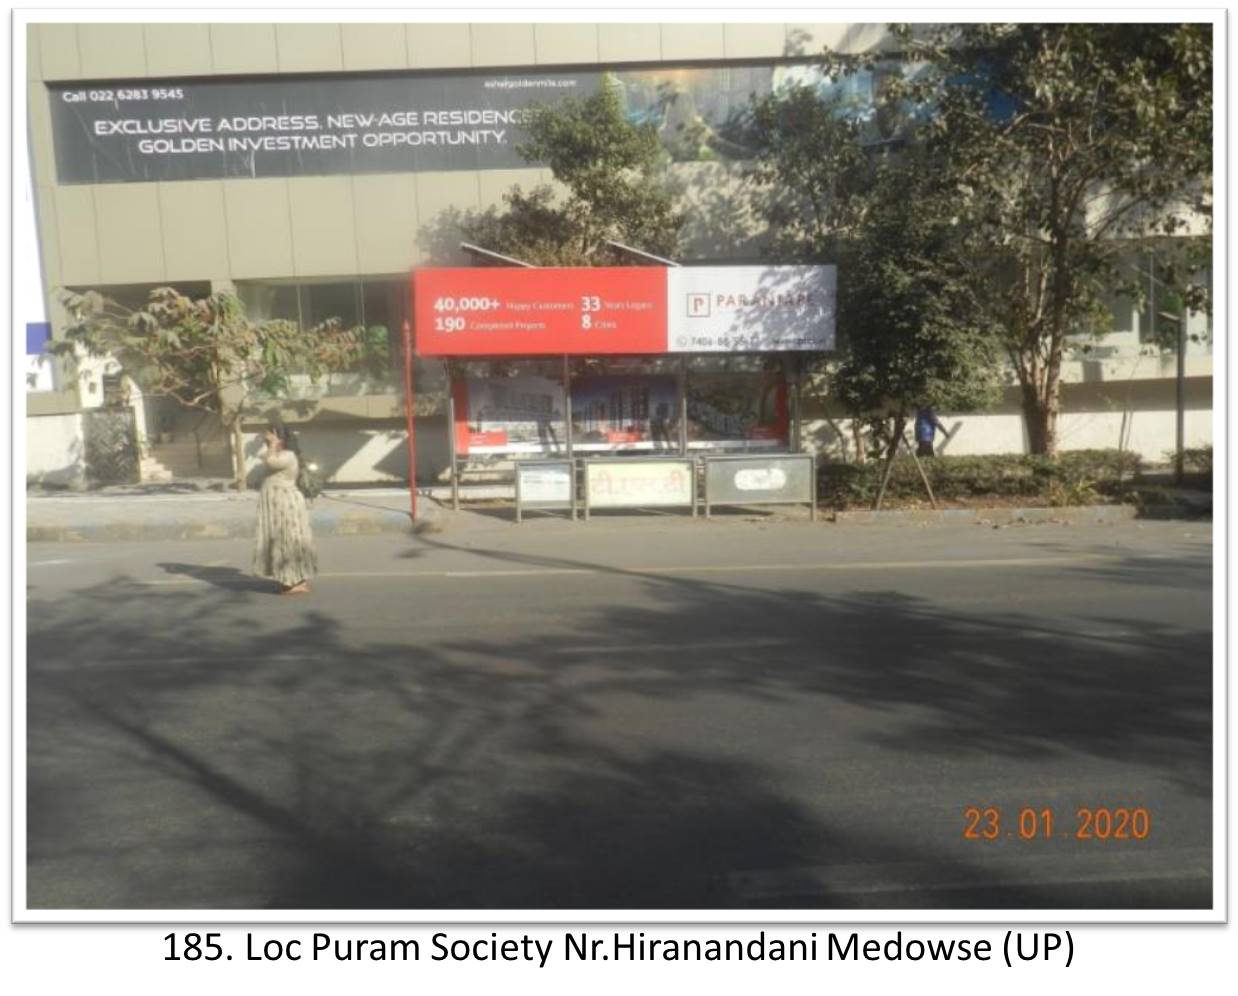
149, 130
177, 130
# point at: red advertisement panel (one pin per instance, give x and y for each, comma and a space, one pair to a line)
531, 312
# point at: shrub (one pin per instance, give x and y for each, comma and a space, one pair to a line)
1196, 460
1081, 477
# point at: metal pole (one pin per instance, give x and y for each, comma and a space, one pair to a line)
1179, 457
567, 428
792, 365
812, 485
567, 405
408, 414
451, 440
683, 404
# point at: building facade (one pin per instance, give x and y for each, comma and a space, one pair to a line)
310, 167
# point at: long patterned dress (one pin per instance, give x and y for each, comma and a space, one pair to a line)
284, 549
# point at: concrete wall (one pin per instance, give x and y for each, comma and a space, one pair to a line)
1140, 417
348, 453
54, 451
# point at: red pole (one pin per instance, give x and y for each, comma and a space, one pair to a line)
408, 414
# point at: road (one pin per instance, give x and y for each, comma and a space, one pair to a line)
627, 714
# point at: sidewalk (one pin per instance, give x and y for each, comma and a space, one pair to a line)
152, 512
192, 511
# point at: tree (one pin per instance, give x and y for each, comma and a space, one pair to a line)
613, 174
1067, 144
913, 328
205, 353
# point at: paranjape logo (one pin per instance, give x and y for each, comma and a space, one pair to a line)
698, 306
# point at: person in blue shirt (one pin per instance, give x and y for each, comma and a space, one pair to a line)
927, 424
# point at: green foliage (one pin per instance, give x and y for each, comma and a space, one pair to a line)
611, 173
1039, 154
913, 327
1080, 477
204, 352
1063, 142
810, 175
1196, 460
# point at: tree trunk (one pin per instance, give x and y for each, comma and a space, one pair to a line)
1040, 417
238, 455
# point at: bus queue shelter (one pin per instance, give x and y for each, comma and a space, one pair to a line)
603, 362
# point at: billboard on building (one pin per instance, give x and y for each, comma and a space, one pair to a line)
150, 130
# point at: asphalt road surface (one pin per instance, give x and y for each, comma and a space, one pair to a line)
635, 713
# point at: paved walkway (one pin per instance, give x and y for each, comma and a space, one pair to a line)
177, 512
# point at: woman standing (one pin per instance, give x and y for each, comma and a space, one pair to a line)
284, 549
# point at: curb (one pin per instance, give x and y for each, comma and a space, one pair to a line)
1067, 515
329, 522
322, 522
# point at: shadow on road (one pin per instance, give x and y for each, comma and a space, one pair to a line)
473, 773
229, 578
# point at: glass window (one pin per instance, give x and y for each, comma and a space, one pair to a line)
1121, 311
383, 313
267, 302
323, 302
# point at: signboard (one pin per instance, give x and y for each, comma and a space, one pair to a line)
151, 130
750, 309
530, 312
544, 484
38, 362
760, 480
615, 310
148, 130
633, 483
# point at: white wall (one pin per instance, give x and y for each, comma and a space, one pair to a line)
54, 451
1149, 432
348, 454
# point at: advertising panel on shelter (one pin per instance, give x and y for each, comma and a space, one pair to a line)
639, 412
503, 311
638, 483
750, 309
731, 408
509, 415
580, 311
544, 483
